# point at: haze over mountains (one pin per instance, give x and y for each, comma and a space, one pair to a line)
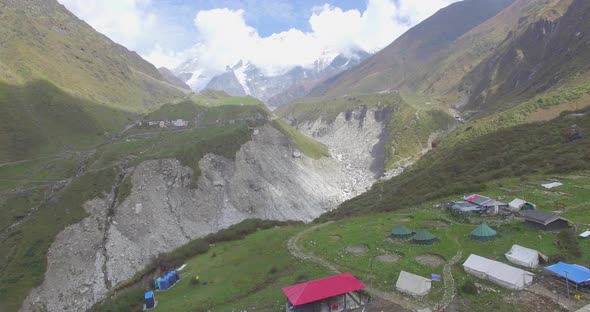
245, 78
111, 169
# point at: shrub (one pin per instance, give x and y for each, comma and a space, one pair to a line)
469, 287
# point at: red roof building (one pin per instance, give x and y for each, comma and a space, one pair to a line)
332, 294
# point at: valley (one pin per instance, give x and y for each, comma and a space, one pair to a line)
114, 172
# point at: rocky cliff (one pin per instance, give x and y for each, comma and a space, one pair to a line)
269, 179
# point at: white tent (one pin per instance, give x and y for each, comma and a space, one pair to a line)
497, 272
585, 234
413, 284
516, 204
523, 256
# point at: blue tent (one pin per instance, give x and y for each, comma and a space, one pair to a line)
573, 272
176, 276
164, 283
170, 278
149, 300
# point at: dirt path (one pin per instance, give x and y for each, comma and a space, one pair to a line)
450, 290
390, 297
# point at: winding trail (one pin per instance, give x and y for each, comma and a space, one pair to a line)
391, 297
449, 282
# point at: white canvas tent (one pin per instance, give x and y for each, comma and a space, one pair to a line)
523, 256
516, 204
413, 284
497, 272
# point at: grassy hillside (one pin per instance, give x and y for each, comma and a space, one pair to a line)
238, 279
546, 53
44, 195
412, 119
305, 144
43, 41
466, 166
40, 119
414, 52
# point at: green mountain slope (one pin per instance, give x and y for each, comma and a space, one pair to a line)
41, 40
477, 153
397, 65
45, 195
547, 53
40, 119
479, 56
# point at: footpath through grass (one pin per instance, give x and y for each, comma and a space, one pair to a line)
248, 274
372, 231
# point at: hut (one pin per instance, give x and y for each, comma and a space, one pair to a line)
336, 293
547, 221
423, 237
573, 274
401, 232
483, 233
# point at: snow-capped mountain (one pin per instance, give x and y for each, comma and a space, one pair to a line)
245, 78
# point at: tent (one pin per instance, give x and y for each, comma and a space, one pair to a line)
497, 272
517, 204
413, 284
423, 237
576, 273
150, 301
162, 283
401, 232
484, 233
523, 256
585, 234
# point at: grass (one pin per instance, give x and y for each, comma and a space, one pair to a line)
408, 130
242, 274
188, 146
24, 251
249, 273
39, 119
60, 48
305, 144
309, 110
452, 169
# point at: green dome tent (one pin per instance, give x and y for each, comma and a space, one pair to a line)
423, 237
401, 232
484, 233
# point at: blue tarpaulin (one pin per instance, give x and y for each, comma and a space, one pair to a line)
573, 272
149, 300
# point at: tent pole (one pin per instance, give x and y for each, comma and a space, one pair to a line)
567, 285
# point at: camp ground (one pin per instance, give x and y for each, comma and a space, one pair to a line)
509, 274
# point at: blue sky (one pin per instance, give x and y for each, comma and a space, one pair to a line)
267, 17
273, 34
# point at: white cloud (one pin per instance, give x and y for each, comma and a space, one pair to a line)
129, 22
224, 37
